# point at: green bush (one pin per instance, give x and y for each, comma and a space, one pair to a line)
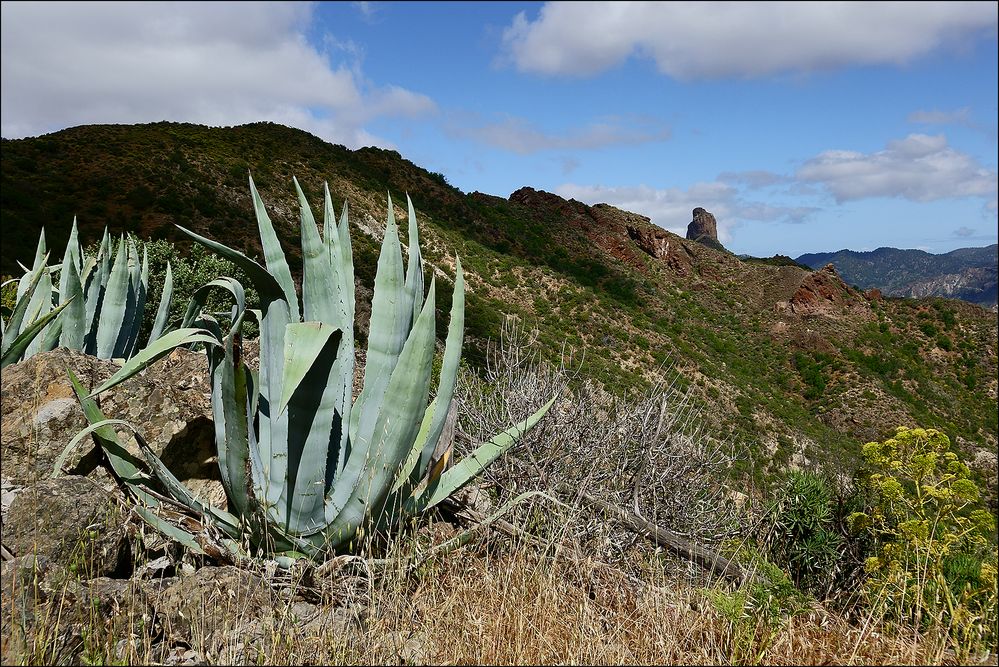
190, 272
805, 538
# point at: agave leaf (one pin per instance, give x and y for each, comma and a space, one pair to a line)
346, 264
329, 221
331, 238
163, 311
142, 289
200, 295
17, 319
390, 314
95, 288
75, 316
41, 257
123, 462
303, 342
397, 425
225, 521
320, 291
101, 424
50, 336
20, 343
71, 256
112, 309
232, 385
449, 373
39, 305
414, 453
414, 267
179, 535
315, 412
277, 265
266, 285
466, 469
154, 351
273, 424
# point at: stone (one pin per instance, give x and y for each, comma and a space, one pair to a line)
703, 228
24, 589
72, 522
213, 604
170, 403
49, 612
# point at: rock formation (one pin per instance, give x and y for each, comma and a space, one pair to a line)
703, 228
823, 293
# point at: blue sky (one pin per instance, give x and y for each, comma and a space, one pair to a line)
803, 127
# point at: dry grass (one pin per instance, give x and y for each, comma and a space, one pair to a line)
479, 605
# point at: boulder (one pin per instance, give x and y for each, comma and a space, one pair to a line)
170, 403
214, 607
666, 247
652, 242
71, 522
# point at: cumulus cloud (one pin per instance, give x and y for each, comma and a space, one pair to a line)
918, 168
695, 40
672, 208
521, 136
964, 232
67, 64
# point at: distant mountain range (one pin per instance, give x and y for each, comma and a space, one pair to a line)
966, 273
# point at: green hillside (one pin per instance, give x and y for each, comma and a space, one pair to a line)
797, 366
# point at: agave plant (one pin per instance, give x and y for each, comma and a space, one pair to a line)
97, 308
304, 467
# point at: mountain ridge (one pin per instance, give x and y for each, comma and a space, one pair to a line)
968, 273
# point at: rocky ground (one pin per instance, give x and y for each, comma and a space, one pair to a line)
73, 548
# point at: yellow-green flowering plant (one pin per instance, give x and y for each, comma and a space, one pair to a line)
934, 558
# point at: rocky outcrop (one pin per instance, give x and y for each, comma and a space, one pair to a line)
654, 243
823, 293
659, 245
703, 228
170, 404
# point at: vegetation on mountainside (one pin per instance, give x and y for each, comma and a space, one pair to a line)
934, 556
790, 386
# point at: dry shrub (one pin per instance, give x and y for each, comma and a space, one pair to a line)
647, 453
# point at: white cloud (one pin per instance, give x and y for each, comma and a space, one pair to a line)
757, 178
694, 40
960, 116
367, 10
672, 208
918, 168
74, 63
964, 232
520, 136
